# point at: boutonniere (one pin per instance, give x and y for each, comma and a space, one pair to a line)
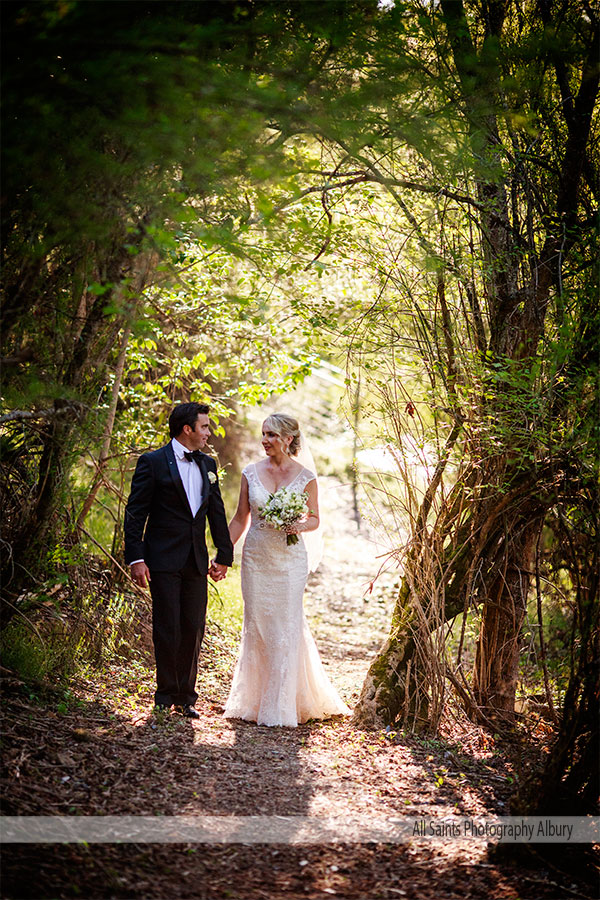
212, 477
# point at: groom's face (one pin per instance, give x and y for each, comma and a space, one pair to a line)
196, 437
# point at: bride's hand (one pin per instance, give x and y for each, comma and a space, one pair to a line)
296, 527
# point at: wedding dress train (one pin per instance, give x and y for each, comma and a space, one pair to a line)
279, 678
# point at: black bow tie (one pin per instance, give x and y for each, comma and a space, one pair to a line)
191, 455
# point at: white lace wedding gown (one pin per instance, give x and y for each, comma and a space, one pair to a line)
279, 678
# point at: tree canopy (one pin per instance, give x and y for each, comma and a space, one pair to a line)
201, 198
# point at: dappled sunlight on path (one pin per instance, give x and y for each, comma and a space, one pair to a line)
109, 755
348, 613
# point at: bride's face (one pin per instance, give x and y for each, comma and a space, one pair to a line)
274, 444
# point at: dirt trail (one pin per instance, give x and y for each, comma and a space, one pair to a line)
106, 755
348, 613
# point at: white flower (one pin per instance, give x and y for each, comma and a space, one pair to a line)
285, 508
212, 477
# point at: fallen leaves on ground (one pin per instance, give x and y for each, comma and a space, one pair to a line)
100, 751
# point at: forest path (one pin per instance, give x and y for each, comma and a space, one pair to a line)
107, 755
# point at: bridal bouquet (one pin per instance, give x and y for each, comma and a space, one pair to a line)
285, 508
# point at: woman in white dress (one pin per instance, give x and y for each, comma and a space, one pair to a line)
279, 678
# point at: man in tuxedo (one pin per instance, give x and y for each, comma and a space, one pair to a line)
173, 492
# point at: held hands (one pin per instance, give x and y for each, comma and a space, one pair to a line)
217, 571
141, 574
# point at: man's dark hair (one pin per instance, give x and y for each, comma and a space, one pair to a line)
185, 414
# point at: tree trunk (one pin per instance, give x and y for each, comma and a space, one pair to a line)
92, 342
30, 545
570, 781
388, 686
497, 658
108, 430
399, 683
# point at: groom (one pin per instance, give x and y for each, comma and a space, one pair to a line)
173, 492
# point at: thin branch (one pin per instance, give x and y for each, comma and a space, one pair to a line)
23, 415
538, 590
140, 591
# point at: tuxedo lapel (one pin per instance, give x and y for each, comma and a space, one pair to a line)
174, 470
205, 481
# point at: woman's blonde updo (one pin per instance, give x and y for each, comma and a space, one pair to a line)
284, 426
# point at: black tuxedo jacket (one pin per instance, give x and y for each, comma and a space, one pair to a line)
159, 525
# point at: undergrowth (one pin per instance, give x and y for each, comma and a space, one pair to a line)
71, 626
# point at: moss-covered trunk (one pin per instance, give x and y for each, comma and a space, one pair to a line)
399, 684
388, 687
494, 571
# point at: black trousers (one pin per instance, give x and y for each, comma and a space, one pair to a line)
178, 622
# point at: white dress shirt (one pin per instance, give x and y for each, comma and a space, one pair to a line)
191, 476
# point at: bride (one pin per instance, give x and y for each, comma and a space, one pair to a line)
279, 678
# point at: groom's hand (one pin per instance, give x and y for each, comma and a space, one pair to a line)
217, 571
140, 574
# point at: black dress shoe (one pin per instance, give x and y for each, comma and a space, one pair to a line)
188, 712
